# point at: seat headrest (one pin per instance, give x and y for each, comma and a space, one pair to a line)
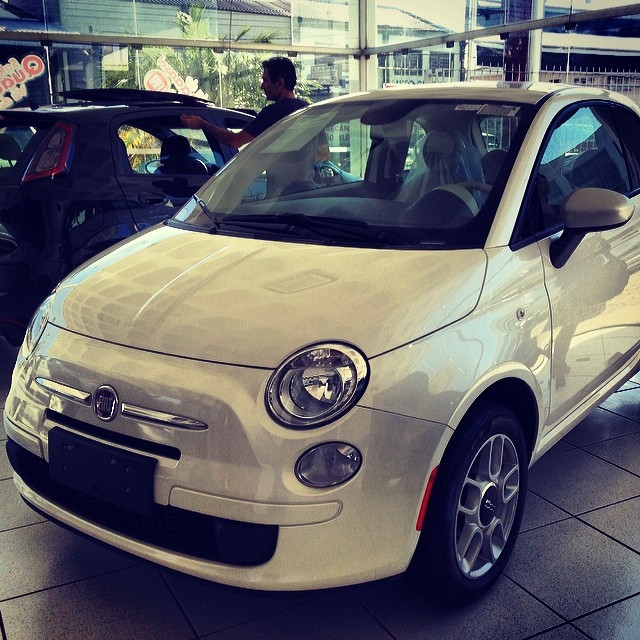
440, 142
451, 158
175, 146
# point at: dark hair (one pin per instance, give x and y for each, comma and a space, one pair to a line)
281, 68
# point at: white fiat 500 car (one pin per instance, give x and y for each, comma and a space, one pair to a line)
306, 380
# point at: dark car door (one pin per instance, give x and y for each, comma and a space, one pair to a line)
29, 239
160, 163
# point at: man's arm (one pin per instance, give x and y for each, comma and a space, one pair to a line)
226, 136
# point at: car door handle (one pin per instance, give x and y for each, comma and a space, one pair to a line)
152, 198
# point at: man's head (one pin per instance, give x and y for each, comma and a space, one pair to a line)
278, 78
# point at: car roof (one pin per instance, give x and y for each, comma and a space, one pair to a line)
512, 92
108, 100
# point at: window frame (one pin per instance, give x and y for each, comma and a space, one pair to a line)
528, 228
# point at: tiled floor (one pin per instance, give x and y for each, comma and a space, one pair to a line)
575, 572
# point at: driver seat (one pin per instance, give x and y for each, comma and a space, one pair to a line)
175, 157
450, 159
442, 158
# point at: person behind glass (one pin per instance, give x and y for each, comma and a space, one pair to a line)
278, 81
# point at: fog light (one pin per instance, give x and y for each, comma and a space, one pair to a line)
327, 465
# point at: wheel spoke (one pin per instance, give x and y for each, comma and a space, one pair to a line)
497, 456
469, 547
496, 540
483, 466
510, 484
470, 498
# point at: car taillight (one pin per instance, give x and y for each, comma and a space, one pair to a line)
54, 154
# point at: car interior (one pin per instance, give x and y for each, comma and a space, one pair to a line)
177, 157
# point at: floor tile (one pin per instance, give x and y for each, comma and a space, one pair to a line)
601, 425
625, 403
133, 603
338, 615
14, 512
561, 478
212, 607
565, 632
561, 446
505, 613
618, 622
539, 512
573, 568
623, 452
620, 521
44, 555
5, 468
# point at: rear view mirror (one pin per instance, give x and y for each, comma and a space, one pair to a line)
587, 210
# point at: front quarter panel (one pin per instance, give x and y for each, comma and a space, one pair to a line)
507, 336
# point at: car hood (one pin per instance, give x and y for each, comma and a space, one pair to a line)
253, 302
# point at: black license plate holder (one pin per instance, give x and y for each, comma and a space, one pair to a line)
109, 474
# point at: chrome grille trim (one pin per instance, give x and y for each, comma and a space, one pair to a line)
64, 390
160, 417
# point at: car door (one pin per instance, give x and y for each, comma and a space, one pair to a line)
593, 298
155, 181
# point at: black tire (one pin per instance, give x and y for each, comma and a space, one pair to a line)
475, 509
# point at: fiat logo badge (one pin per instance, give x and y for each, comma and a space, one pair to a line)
106, 403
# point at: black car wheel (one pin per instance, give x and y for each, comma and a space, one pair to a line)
475, 508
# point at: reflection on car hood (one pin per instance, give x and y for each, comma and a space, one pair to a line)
253, 302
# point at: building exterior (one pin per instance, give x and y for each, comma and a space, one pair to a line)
214, 47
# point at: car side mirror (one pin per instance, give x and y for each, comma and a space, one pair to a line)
8, 241
587, 210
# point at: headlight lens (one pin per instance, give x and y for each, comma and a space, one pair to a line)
316, 385
327, 465
36, 328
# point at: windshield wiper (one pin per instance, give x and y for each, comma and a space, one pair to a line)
212, 216
323, 226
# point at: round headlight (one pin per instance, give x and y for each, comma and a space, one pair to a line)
316, 385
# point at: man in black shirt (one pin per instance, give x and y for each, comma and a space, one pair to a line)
278, 81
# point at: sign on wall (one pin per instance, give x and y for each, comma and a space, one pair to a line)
165, 78
15, 76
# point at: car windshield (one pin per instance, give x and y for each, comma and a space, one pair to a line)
394, 172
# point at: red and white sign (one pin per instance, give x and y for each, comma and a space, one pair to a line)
166, 78
14, 76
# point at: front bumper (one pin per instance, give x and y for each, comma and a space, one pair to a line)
232, 481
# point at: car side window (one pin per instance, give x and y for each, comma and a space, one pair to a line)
151, 149
139, 146
583, 150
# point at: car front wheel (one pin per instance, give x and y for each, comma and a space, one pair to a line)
475, 509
